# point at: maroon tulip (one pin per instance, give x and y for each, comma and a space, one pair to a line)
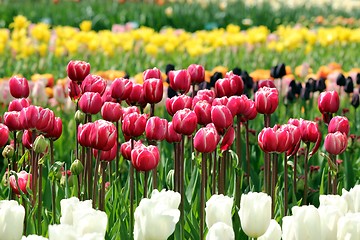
204, 95
77, 70
274, 140
156, 129
340, 124
19, 87
228, 139
27, 139
24, 180
18, 104
267, 83
203, 112
56, 132
111, 111
220, 101
328, 102
197, 73
74, 90
30, 116
4, 134
221, 117
137, 96
93, 83
125, 148
83, 136
335, 143
206, 139
106, 155
46, 121
152, 73
145, 158
236, 82
171, 135
177, 103
90, 102
134, 124
266, 100
180, 80
121, 88
153, 90
12, 120
185, 121
103, 135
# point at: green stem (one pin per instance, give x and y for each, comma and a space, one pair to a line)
238, 153
102, 189
306, 173
274, 182
286, 185
202, 194
53, 190
39, 217
95, 183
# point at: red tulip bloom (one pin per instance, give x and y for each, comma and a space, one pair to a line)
27, 139
145, 158
221, 117
220, 101
106, 155
156, 129
152, 73
24, 180
236, 82
266, 100
224, 88
295, 135
125, 148
310, 133
185, 121
121, 88
137, 96
335, 143
111, 111
4, 134
197, 73
129, 110
329, 102
90, 102
236, 104
180, 80
206, 139
228, 139
294, 121
203, 112
46, 121
84, 132
267, 83
340, 124
204, 95
106, 97
134, 124
74, 90
30, 116
56, 132
103, 135
274, 140
77, 70
171, 135
12, 120
153, 90
177, 103
93, 83
19, 87
18, 104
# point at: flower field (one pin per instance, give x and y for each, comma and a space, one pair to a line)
172, 124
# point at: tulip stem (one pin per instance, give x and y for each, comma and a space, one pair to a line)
247, 152
306, 172
221, 174
267, 165
117, 173
95, 183
176, 153
53, 190
146, 175
286, 184
14, 162
213, 190
333, 175
40, 198
202, 194
181, 187
131, 182
295, 175
239, 165
102, 189
274, 182
89, 169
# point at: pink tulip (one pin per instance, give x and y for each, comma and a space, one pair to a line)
180, 80
137, 96
340, 124
121, 88
106, 97
18, 104
19, 87
125, 148
177, 103
84, 132
134, 124
129, 110
152, 73
328, 102
266, 100
27, 139
228, 139
46, 121
77, 70
12, 120
30, 116
56, 132
90, 102
24, 180
224, 88
204, 95
310, 133
171, 135
93, 83
185, 121
267, 83
156, 129
4, 134
236, 82
106, 155
335, 143
221, 117
206, 139
203, 112
103, 135
197, 73
111, 111
153, 90
220, 101
74, 90
145, 158
274, 140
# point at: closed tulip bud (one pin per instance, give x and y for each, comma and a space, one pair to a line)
24, 180
203, 112
145, 158
103, 135
40, 144
334, 201
204, 95
310, 133
90, 102
266, 100
180, 80
156, 129
84, 131
250, 112
221, 117
177, 103
77, 167
274, 140
134, 124
74, 90
220, 231
197, 73
8, 152
56, 132
340, 124
236, 104
153, 90
30, 116
329, 217
206, 140
307, 222
79, 116
348, 226
218, 209
121, 88
111, 111
12, 120
349, 85
228, 139
329, 102
18, 104
19, 87
11, 220
352, 198
27, 139
93, 83
185, 121
171, 135
106, 155
4, 134
341, 80
125, 148
152, 73
170, 179
355, 100
335, 143
273, 232
288, 228
224, 88
136, 96
77, 70
46, 121
236, 82
255, 208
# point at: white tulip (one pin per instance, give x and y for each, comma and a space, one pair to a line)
255, 213
353, 198
273, 232
89, 220
33, 237
218, 209
348, 227
329, 217
11, 220
155, 218
335, 201
288, 228
69, 205
307, 223
62, 232
220, 231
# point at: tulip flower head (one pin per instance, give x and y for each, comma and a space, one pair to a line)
77, 70
275, 139
111, 111
11, 219
24, 180
156, 129
18, 104
335, 143
218, 209
185, 121
197, 73
220, 231
19, 87
266, 100
177, 103
339, 123
4, 134
203, 112
273, 232
152, 73
153, 89
93, 83
180, 80
352, 198
90, 102
206, 139
145, 158
121, 88
171, 135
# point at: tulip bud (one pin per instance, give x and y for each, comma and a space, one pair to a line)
136, 96
76, 167
12, 219
307, 223
156, 129
218, 209
349, 85
4, 134
221, 231
121, 88
134, 124
29, 116
177, 103
341, 80
106, 155
206, 140
46, 121
221, 117
125, 148
90, 102
340, 124
8, 152
171, 135
204, 95
278, 71
93, 83
237, 83
203, 112
153, 90
224, 87
266, 100
27, 139
56, 132
335, 143
145, 158
180, 80
77, 70
185, 121
355, 100
23, 179
74, 90
328, 102
197, 73
111, 111
12, 121
19, 87
40, 144
18, 104
152, 73
79, 117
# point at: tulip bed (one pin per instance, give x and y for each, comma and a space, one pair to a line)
162, 151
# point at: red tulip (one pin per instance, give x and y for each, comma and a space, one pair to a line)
171, 135
180, 80
185, 121
134, 124
77, 70
137, 96
236, 104
224, 87
22, 181
106, 155
177, 103
266, 100
56, 132
295, 136
328, 102
19, 87
204, 95
203, 112
152, 73
310, 133
4, 134
84, 132
18, 104
129, 110
153, 90
27, 139
106, 97
335, 143
156, 129
340, 124
236, 82
46, 121
228, 139
103, 135
12, 120
121, 88
111, 111
267, 83
93, 83
30, 116
90, 102
221, 117
220, 101
145, 158
294, 121
206, 139
125, 148
274, 140
197, 73
249, 111
74, 91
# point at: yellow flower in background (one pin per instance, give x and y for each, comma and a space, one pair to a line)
85, 26
41, 32
151, 49
232, 28
19, 22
